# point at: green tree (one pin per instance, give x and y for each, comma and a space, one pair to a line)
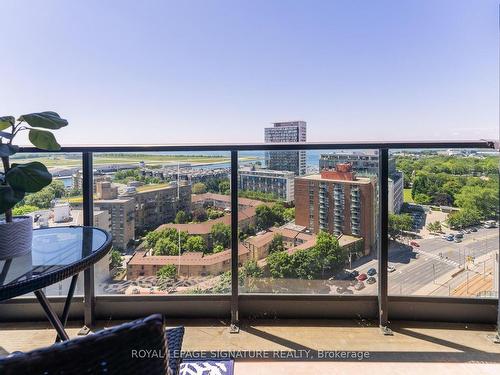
44, 197
196, 243
482, 200
421, 198
221, 235
224, 187
304, 265
218, 248
23, 210
58, 189
268, 216
200, 215
252, 269
279, 264
214, 213
116, 259
152, 237
199, 188
289, 214
258, 195
434, 227
165, 246
328, 254
181, 217
464, 218
276, 244
167, 272
398, 224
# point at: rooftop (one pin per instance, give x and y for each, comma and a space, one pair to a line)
186, 259
318, 177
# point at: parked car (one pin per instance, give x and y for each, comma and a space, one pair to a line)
354, 274
360, 285
371, 272
459, 235
362, 277
414, 243
341, 289
490, 224
450, 237
391, 268
371, 280
473, 229
458, 240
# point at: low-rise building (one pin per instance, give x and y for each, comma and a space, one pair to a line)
246, 218
188, 264
222, 201
278, 183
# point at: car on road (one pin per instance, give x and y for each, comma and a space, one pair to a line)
450, 237
490, 224
371, 280
360, 285
391, 268
362, 277
414, 243
371, 272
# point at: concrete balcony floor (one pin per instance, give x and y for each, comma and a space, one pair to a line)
415, 348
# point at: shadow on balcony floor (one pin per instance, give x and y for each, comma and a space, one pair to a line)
314, 341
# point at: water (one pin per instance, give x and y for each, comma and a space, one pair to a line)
68, 182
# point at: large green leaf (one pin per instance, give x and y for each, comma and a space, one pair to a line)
9, 197
46, 120
29, 177
6, 121
44, 140
8, 149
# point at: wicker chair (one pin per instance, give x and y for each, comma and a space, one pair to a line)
138, 347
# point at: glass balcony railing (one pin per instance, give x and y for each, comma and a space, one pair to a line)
170, 213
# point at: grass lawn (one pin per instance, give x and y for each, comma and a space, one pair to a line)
407, 196
61, 161
151, 187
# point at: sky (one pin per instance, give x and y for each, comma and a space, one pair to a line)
161, 72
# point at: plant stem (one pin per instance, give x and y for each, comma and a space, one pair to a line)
6, 167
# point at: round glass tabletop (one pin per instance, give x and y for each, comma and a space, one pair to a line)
57, 253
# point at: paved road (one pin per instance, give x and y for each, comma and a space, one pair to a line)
416, 271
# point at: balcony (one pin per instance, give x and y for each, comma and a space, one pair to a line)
209, 294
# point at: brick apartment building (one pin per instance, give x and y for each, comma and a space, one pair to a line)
338, 202
137, 210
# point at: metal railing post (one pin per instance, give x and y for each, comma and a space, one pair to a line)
234, 242
496, 338
88, 220
383, 241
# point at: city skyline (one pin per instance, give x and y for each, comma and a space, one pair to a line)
386, 70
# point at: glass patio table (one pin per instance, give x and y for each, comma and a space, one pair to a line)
57, 253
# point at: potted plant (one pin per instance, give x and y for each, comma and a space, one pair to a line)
18, 179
